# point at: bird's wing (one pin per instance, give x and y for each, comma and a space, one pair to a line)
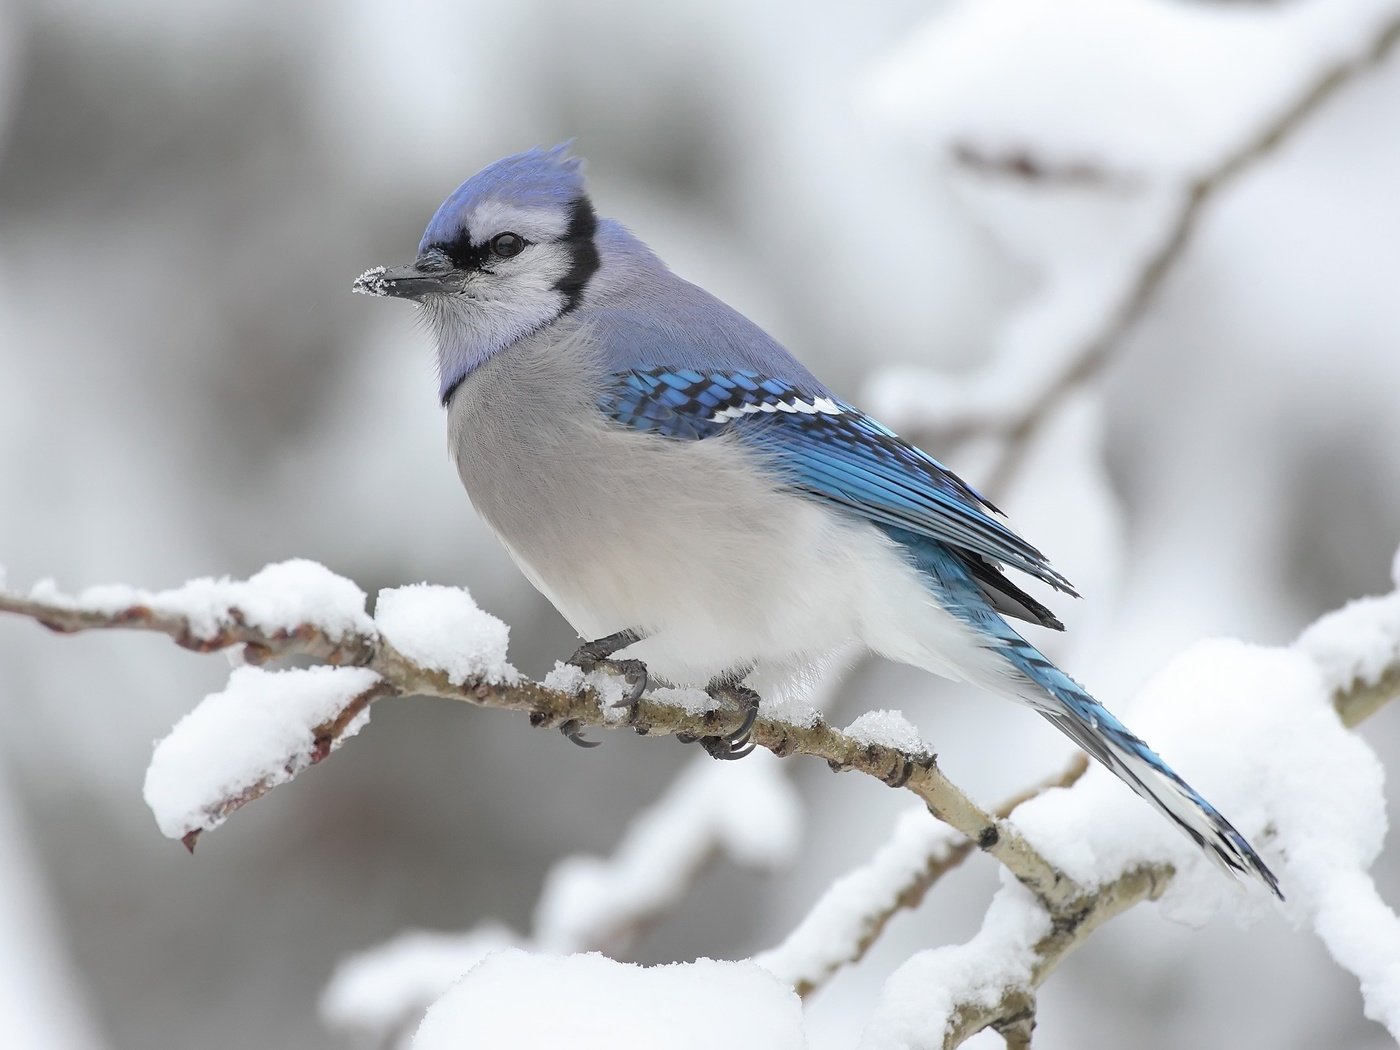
827, 449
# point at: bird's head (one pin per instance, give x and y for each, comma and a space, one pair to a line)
510, 251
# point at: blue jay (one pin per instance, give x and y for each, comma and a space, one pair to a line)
696, 502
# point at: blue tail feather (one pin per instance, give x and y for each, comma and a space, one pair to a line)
1064, 703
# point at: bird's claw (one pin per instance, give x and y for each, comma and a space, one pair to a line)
634, 673
724, 749
573, 731
597, 655
739, 743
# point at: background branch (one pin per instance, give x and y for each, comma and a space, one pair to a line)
1083, 365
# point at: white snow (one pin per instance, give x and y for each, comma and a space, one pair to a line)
1357, 643
919, 998
1138, 85
1255, 731
886, 728
565, 678
442, 628
590, 1002
691, 701
374, 994
279, 597
1145, 93
747, 811
259, 731
828, 936
371, 282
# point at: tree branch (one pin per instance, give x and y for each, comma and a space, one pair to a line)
1088, 361
917, 772
1071, 929
326, 737
981, 405
892, 881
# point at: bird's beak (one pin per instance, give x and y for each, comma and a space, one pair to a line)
406, 282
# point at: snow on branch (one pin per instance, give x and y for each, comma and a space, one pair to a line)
284, 722
748, 811
1048, 137
854, 910
377, 997
459, 652
1278, 756
595, 1003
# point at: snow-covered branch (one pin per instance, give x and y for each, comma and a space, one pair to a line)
1074, 869
1318, 783
1018, 160
854, 910
434, 641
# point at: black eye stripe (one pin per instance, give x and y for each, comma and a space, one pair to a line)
464, 254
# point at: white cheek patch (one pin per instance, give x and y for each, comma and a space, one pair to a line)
821, 406
534, 224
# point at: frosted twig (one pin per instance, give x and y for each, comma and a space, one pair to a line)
915, 771
748, 812
1154, 268
1013, 1012
1083, 363
850, 916
325, 738
1066, 930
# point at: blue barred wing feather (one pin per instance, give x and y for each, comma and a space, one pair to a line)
828, 449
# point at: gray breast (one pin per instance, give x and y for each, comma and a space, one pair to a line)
619, 529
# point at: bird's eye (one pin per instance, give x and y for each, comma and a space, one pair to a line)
507, 244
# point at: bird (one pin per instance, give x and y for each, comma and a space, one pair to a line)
699, 506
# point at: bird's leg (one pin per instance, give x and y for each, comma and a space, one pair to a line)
729, 686
591, 656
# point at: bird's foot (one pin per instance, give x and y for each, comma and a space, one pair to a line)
573, 732
597, 656
738, 743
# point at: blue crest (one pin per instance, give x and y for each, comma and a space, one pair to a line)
535, 178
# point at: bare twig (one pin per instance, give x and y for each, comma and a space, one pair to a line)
1024, 165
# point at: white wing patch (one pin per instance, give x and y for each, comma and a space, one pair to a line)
822, 406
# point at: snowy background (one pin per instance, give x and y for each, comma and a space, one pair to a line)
190, 389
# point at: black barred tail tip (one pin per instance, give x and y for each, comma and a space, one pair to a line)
1109, 742
1231, 850
1142, 770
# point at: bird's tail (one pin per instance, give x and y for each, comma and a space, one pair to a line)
1093, 727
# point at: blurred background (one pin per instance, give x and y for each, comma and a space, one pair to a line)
188, 388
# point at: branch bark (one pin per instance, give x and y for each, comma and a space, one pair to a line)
917, 772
